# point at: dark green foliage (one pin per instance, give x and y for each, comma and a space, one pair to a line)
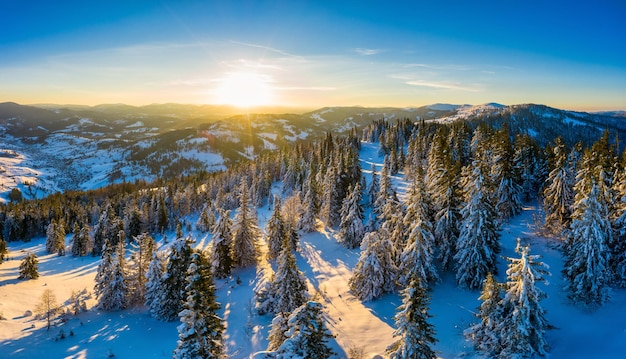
29, 267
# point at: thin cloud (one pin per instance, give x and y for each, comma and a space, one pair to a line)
441, 85
367, 52
454, 67
268, 48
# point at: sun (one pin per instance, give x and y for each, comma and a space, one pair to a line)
243, 89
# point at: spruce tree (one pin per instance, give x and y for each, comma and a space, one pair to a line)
154, 278
478, 244
351, 228
245, 232
142, 249
276, 335
206, 221
200, 334
275, 231
375, 272
80, 240
308, 222
523, 325
307, 336
4, 250
289, 286
618, 250
586, 270
558, 195
221, 255
415, 335
484, 334
331, 201
168, 302
55, 238
29, 267
110, 288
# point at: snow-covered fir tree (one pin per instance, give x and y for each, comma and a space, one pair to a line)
558, 195
29, 267
170, 296
386, 206
275, 231
200, 331
523, 325
308, 215
507, 197
586, 270
110, 288
154, 277
307, 336
289, 285
351, 229
276, 335
331, 201
375, 272
374, 187
618, 252
206, 220
4, 251
245, 232
415, 335
142, 249
478, 245
80, 240
222, 255
55, 238
484, 334
417, 257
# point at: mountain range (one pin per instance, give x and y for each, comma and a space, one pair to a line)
48, 148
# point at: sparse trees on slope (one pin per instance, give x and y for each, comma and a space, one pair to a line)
375, 272
222, 255
523, 325
29, 267
245, 232
415, 335
200, 334
351, 229
307, 336
478, 244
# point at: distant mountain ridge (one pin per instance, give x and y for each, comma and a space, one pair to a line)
54, 148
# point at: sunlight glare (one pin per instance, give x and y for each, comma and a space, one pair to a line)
244, 90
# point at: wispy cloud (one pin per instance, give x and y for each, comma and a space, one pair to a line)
367, 52
442, 85
268, 48
454, 67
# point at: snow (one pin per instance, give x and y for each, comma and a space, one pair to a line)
467, 111
580, 333
443, 107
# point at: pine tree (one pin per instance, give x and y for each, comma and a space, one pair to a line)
374, 187
618, 253
222, 256
245, 232
80, 240
169, 299
4, 250
351, 228
289, 286
331, 201
523, 325
484, 334
154, 278
559, 191
507, 197
200, 334
206, 221
586, 269
29, 267
142, 249
277, 336
375, 272
307, 222
275, 231
478, 244
55, 238
416, 335
110, 288
307, 335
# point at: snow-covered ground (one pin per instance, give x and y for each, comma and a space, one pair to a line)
580, 333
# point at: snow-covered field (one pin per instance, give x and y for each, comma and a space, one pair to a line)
580, 333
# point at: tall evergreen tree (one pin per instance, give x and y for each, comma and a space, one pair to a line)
375, 272
154, 278
142, 249
308, 222
307, 336
245, 232
618, 252
351, 229
587, 253
222, 255
29, 267
110, 288
289, 286
331, 203
206, 221
415, 335
200, 334
55, 238
277, 336
168, 302
484, 334
275, 231
4, 251
478, 244
523, 325
80, 240
558, 195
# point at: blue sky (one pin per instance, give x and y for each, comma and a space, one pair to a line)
319, 53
